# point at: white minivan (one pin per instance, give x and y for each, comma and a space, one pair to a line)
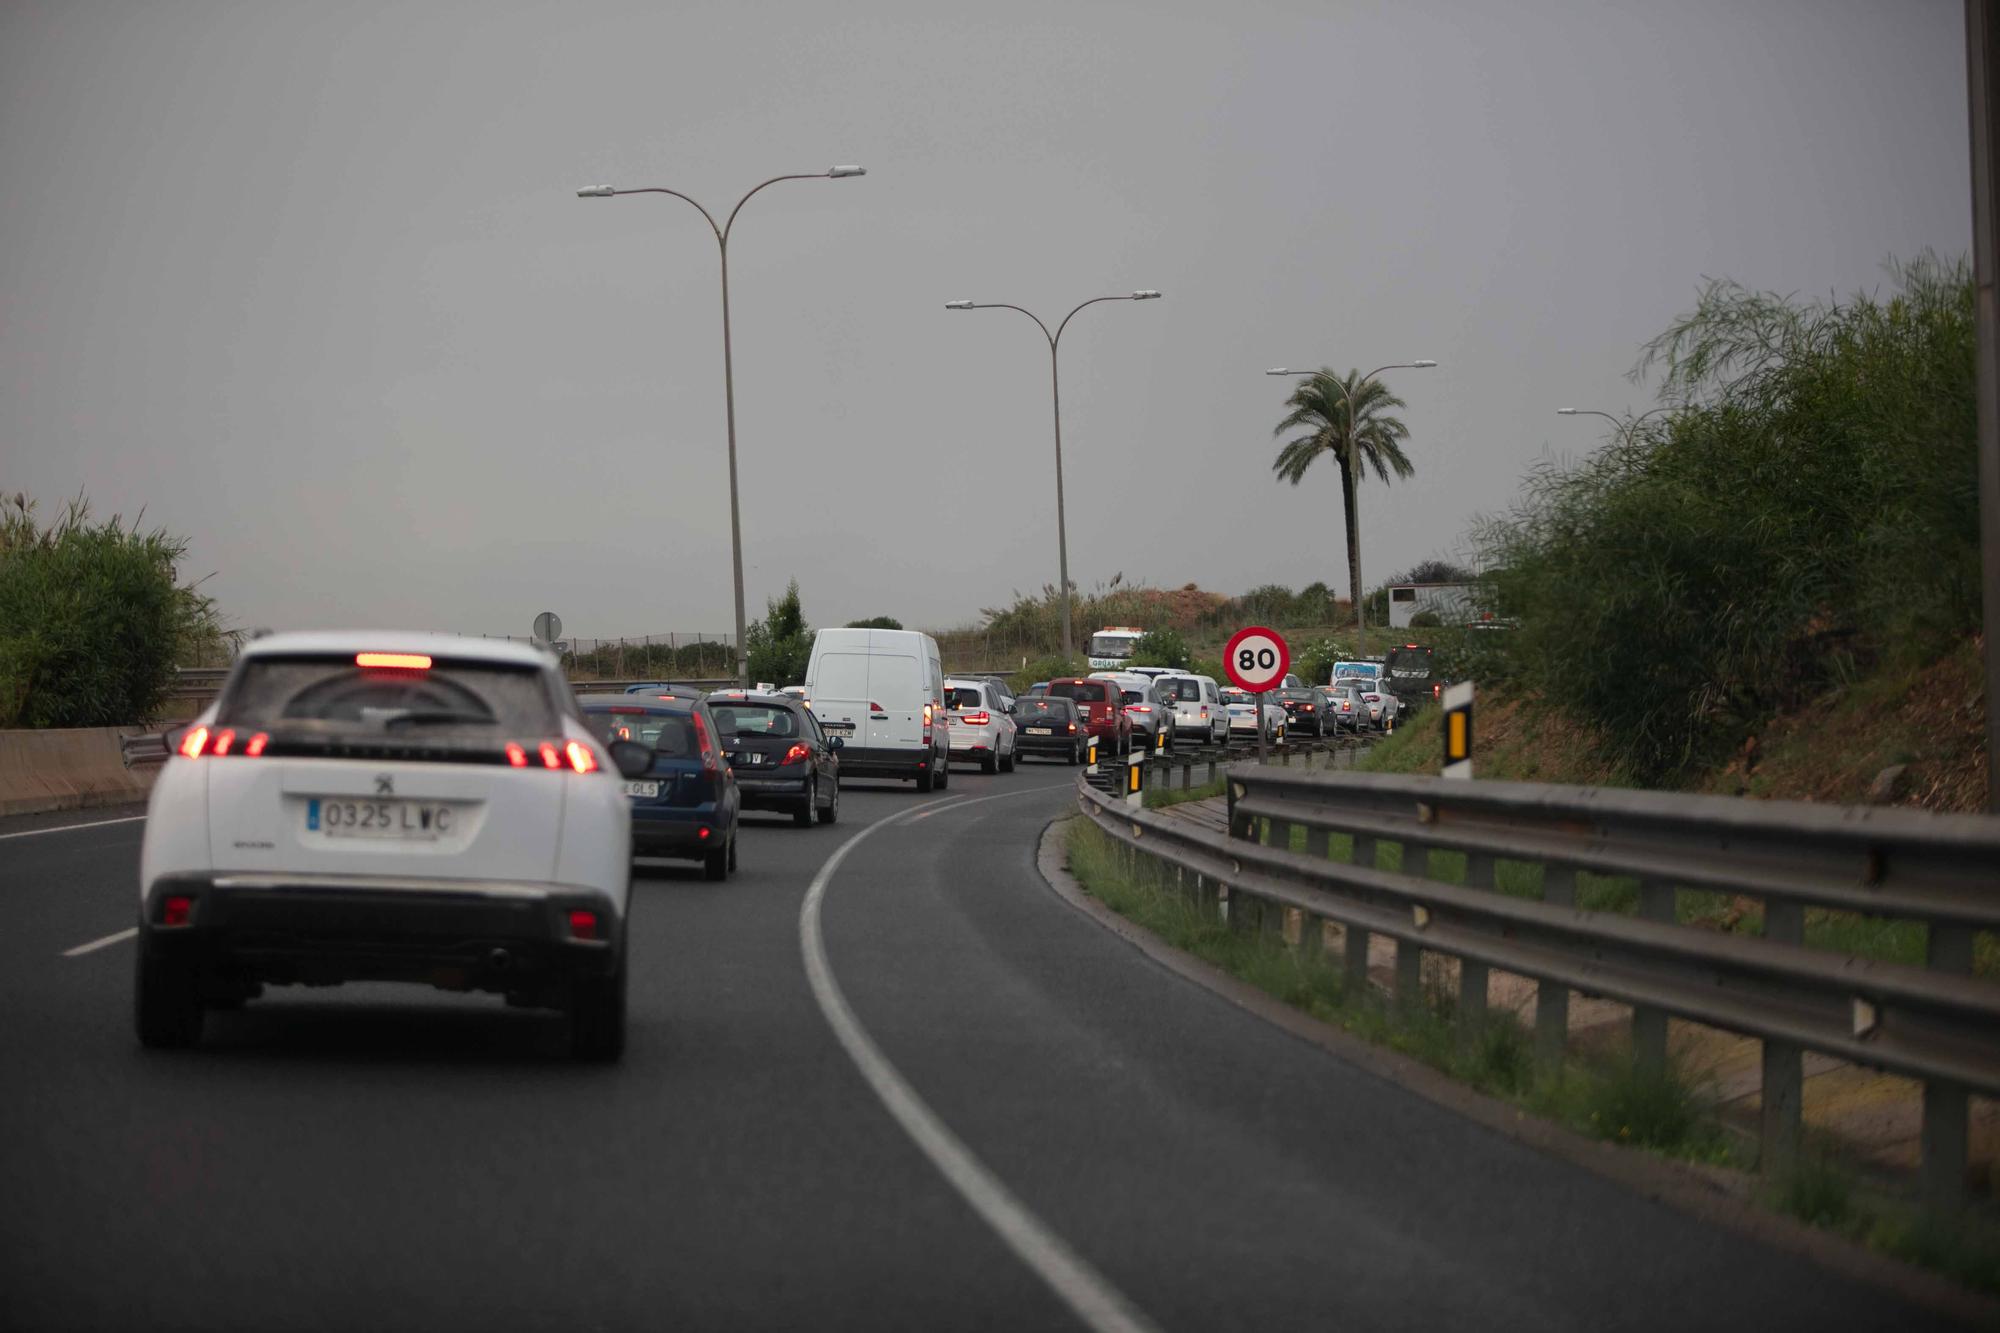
883, 691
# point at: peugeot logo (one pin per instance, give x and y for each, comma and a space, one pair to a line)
385, 785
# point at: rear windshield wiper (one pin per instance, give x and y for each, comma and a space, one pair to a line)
420, 716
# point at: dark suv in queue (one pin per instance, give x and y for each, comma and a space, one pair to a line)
1100, 706
1048, 726
686, 805
782, 759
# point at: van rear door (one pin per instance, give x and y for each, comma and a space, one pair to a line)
897, 685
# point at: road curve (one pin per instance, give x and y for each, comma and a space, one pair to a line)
382, 1158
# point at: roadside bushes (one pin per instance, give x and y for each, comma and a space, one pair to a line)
93, 619
778, 648
1162, 647
1807, 510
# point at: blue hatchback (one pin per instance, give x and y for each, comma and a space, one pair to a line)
686, 805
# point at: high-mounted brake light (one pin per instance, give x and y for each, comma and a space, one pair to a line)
192, 743
796, 754
582, 924
516, 755
397, 661
581, 757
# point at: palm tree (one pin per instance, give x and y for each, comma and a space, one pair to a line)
1346, 419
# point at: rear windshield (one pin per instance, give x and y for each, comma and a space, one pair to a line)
753, 719
1096, 691
1181, 689
672, 734
962, 696
1136, 697
1042, 706
332, 696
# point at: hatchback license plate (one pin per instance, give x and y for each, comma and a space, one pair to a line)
413, 821
1041, 731
648, 789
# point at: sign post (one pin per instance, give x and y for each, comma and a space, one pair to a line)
1458, 730
1257, 659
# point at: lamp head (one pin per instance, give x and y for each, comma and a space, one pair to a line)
595, 192
958, 305
837, 172
1146, 294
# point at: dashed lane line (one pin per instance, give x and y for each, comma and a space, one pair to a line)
70, 828
105, 943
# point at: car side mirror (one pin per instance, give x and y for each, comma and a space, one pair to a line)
835, 743
631, 758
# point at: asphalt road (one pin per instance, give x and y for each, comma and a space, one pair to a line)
380, 1158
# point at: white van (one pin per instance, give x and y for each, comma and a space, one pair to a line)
883, 691
1198, 710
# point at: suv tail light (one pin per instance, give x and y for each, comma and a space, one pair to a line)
201, 741
980, 719
581, 757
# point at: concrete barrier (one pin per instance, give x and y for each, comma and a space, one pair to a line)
68, 769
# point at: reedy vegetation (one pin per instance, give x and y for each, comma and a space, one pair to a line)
1808, 511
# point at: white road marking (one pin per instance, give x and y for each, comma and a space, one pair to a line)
1088, 1294
95, 945
65, 828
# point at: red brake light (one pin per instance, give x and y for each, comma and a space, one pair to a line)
551, 758
1138, 708
581, 757
978, 719
797, 754
223, 740
707, 749
516, 755
1436, 690
1072, 726
192, 743
176, 909
582, 924
398, 661
257, 744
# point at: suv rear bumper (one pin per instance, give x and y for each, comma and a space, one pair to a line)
245, 930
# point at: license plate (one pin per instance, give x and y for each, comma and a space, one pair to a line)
411, 821
1041, 731
646, 789
837, 728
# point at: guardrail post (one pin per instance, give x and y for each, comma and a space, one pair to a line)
1552, 998
1409, 954
1946, 1119
1354, 969
1649, 1025
1472, 977
1783, 1092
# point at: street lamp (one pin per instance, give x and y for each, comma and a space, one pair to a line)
1625, 428
1354, 467
728, 363
1055, 386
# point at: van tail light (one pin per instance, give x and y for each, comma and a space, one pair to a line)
581, 757
927, 724
979, 719
798, 754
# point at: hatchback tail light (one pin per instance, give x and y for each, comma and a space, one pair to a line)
798, 754
705, 745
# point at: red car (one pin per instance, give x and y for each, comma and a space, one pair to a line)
1102, 708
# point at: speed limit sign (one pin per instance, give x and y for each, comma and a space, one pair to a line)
1257, 659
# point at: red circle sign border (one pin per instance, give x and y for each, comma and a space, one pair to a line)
1229, 657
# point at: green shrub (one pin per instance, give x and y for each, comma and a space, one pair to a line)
876, 622
92, 619
1047, 668
1810, 506
1162, 647
779, 647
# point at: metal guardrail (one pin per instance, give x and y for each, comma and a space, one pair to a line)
1935, 1023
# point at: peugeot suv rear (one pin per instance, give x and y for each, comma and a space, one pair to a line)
387, 807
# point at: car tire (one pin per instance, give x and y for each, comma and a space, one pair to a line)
926, 780
803, 816
832, 811
715, 866
167, 1003
597, 1014
1007, 762
988, 764
944, 773
1075, 756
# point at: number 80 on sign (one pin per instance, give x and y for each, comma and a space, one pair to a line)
1256, 659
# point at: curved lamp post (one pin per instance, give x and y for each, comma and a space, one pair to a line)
1055, 386
1625, 427
728, 363
1354, 467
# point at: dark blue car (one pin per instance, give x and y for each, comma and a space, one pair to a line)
686, 805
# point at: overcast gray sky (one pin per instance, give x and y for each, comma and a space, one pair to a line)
310, 282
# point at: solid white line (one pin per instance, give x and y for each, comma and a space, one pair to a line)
95, 945
65, 828
1088, 1294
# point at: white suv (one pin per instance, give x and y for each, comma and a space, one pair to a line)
982, 724
388, 807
